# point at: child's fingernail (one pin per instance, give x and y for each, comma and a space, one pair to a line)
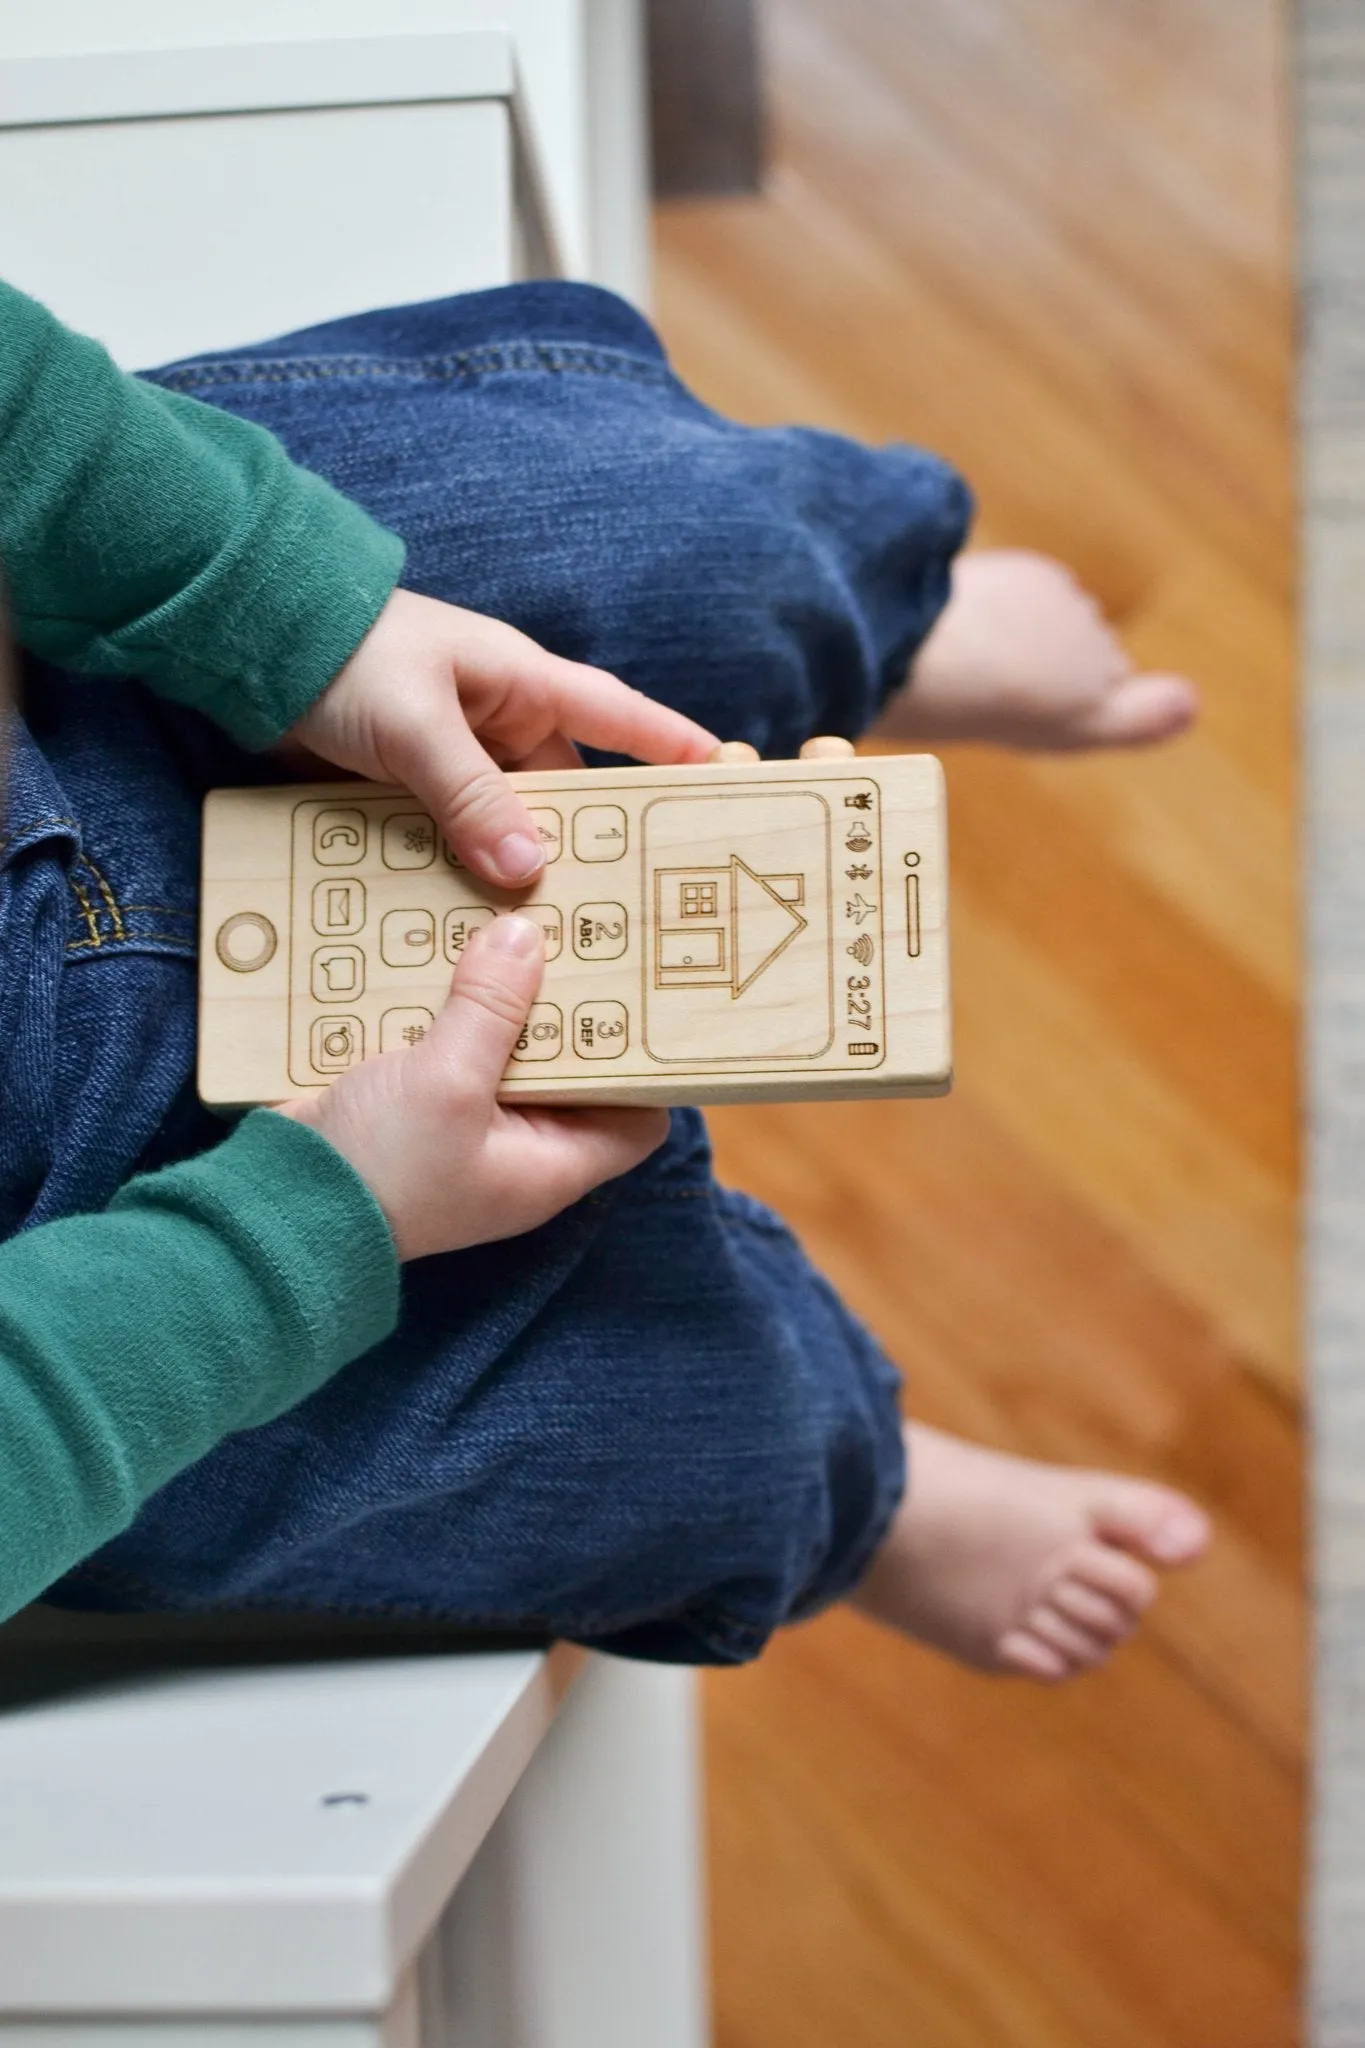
517, 857
518, 936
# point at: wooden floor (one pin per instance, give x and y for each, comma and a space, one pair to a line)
1048, 238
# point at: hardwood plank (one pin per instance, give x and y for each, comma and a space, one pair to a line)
1048, 238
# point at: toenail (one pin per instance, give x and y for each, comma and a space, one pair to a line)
1177, 1537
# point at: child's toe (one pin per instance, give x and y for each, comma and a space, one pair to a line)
1130, 1584
1138, 711
1024, 1654
1110, 1620
1153, 1522
1080, 1646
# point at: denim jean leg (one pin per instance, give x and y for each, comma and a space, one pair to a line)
651, 1425
546, 466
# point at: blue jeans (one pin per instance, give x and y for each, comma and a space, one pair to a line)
650, 1425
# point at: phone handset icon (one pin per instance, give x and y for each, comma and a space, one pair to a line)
339, 838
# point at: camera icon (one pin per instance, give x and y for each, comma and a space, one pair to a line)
335, 1043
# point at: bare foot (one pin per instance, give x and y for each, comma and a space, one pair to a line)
1023, 656
1013, 1566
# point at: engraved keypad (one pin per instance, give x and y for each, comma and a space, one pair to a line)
335, 1043
715, 944
339, 838
600, 931
542, 1035
601, 1031
407, 938
337, 971
460, 925
338, 908
407, 1025
548, 917
409, 840
549, 825
600, 832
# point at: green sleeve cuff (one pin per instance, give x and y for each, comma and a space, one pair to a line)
206, 1299
145, 533
315, 1239
271, 638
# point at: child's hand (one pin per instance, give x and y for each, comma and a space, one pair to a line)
448, 1164
434, 696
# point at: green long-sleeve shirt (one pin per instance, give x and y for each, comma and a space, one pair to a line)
206, 1298
143, 533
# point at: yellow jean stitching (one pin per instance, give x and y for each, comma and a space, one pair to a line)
107, 893
87, 910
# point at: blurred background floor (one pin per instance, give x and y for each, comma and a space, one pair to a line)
1049, 239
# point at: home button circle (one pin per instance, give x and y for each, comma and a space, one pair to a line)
246, 942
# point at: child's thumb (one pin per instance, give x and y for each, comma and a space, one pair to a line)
491, 993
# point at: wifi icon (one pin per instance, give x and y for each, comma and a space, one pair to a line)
861, 950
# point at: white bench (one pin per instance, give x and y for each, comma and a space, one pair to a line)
477, 1850
194, 194
509, 1857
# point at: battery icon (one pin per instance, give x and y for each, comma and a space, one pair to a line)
867, 1046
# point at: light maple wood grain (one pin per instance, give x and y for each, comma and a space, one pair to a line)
1048, 238
741, 931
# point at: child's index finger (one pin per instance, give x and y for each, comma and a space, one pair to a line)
599, 710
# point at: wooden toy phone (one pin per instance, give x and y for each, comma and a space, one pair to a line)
755, 931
